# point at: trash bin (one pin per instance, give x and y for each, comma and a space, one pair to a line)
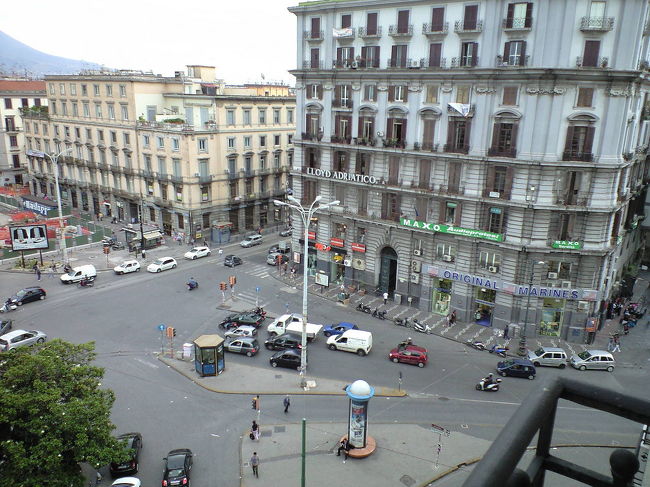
397, 297
187, 350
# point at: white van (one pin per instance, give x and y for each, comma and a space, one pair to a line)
356, 341
78, 273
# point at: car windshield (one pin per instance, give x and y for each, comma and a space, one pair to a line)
508, 363
584, 355
176, 472
21, 293
539, 352
159, 262
195, 250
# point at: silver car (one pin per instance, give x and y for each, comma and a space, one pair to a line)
593, 360
251, 240
20, 338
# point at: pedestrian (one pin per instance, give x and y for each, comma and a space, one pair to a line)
385, 296
255, 463
255, 429
452, 318
343, 445
617, 344
287, 402
50, 272
610, 343
205, 243
38, 272
448, 319
505, 333
220, 251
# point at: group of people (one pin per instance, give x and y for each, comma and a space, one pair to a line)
255, 429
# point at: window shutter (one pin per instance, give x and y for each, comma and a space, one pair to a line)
506, 51
375, 61
515, 130
309, 91
471, 15
308, 123
315, 27
589, 140
474, 53
457, 216
450, 133
495, 136
348, 130
389, 128
391, 93
590, 57
351, 55
315, 57
364, 56
346, 21
337, 95
522, 58
571, 220
337, 123
319, 90
437, 19
435, 51
393, 56
508, 188
428, 133
360, 126
529, 15
402, 21
510, 15
442, 212
405, 93
371, 24
404, 130
569, 139
339, 55
489, 180
468, 132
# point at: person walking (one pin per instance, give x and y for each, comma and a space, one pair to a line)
255, 463
385, 296
255, 429
610, 343
505, 333
617, 344
38, 272
452, 318
287, 402
50, 272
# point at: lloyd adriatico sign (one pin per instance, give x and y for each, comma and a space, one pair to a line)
342, 176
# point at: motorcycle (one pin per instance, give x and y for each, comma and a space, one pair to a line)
87, 282
475, 344
421, 327
363, 308
492, 387
402, 322
9, 305
258, 310
499, 350
192, 285
379, 314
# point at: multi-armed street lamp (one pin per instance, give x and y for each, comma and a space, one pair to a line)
522, 341
306, 215
55, 162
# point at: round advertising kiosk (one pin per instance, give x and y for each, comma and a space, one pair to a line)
360, 443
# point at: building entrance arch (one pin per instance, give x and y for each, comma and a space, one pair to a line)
388, 270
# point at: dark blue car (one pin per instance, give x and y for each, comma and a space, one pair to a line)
339, 329
517, 367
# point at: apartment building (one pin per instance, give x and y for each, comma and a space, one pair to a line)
197, 157
16, 95
489, 157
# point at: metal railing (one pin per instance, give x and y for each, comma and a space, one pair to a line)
602, 63
599, 24
517, 23
435, 29
310, 35
396, 31
442, 64
464, 62
363, 33
577, 156
519, 62
312, 65
468, 27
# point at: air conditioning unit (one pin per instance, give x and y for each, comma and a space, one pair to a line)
359, 264
447, 258
414, 64
416, 265
494, 194
493, 268
566, 284
583, 305
355, 64
417, 252
415, 278
380, 134
347, 262
552, 275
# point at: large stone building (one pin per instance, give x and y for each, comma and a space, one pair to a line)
476, 148
200, 157
16, 95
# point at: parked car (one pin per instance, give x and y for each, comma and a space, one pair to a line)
28, 295
593, 360
410, 354
549, 356
286, 358
280, 248
126, 267
127, 482
162, 264
134, 444
342, 327
197, 252
272, 259
251, 241
283, 342
242, 331
20, 338
517, 367
239, 319
178, 465
5, 326
232, 261
248, 346
286, 232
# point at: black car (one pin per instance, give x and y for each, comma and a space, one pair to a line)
283, 342
232, 261
178, 465
286, 358
276, 249
251, 319
5, 326
28, 295
134, 443
286, 232
244, 345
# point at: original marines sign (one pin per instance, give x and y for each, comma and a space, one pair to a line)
341, 176
510, 288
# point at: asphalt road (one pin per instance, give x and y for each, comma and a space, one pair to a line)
121, 314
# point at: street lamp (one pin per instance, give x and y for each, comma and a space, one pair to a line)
306, 215
522, 341
55, 161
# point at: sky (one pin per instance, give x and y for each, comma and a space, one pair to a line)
244, 39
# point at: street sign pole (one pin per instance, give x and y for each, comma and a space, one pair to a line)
162, 327
257, 296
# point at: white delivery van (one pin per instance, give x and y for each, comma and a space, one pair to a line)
356, 341
79, 273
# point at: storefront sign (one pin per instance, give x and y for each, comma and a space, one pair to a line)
342, 176
566, 244
452, 230
322, 279
510, 288
323, 247
311, 235
35, 153
37, 207
337, 242
357, 247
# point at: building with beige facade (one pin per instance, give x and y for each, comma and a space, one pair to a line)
200, 158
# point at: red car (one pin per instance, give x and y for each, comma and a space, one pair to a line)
409, 354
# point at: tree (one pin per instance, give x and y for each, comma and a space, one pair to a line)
54, 415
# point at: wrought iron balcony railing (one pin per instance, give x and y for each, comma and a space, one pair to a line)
596, 24
462, 27
433, 30
364, 34
517, 23
400, 31
313, 35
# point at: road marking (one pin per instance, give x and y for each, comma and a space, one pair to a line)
144, 362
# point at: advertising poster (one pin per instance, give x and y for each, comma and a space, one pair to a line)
29, 237
357, 425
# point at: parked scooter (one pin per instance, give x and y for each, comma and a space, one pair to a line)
379, 314
475, 344
402, 322
421, 327
87, 282
492, 386
9, 305
499, 350
363, 308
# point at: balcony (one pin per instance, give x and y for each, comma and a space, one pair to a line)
442, 64
102, 166
366, 141
571, 200
394, 63
310, 136
455, 149
435, 30
365, 63
340, 139
462, 27
312, 35
428, 146
312, 65
536, 417
493, 193
342, 103
451, 189
501, 152
394, 143
205, 178
577, 156
364, 34
345, 64
403, 31
464, 62
603, 63
518, 62
129, 171
147, 174
596, 24
349, 34
517, 24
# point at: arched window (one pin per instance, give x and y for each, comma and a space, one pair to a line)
504, 134
429, 118
580, 138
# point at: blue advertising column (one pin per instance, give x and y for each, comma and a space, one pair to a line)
359, 393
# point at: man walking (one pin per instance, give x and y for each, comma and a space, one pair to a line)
255, 463
287, 402
38, 272
617, 344
385, 296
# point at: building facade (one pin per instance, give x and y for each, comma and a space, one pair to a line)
197, 157
489, 157
16, 95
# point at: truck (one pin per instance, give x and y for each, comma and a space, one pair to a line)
293, 323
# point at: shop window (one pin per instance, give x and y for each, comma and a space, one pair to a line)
340, 230
484, 306
552, 316
441, 296
489, 260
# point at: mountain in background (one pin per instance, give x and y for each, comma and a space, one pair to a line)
18, 59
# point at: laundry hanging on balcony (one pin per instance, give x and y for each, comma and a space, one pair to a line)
461, 108
345, 32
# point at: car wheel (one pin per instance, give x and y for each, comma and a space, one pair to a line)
249, 354
360, 353
502, 373
610, 368
327, 334
495, 388
40, 340
582, 367
158, 270
274, 364
194, 257
562, 366
531, 377
209, 254
19, 303
420, 364
268, 347
41, 297
137, 270
332, 346
396, 360
174, 266
536, 364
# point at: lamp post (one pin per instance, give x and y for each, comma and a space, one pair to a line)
306, 215
522, 341
55, 161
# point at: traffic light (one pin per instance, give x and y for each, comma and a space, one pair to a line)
174, 331
107, 249
223, 286
232, 280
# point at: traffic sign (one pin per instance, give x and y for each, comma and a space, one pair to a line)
161, 327
257, 289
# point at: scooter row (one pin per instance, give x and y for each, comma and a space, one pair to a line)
405, 322
499, 350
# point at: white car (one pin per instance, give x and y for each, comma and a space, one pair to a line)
126, 267
197, 252
162, 264
20, 338
251, 240
242, 331
127, 482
